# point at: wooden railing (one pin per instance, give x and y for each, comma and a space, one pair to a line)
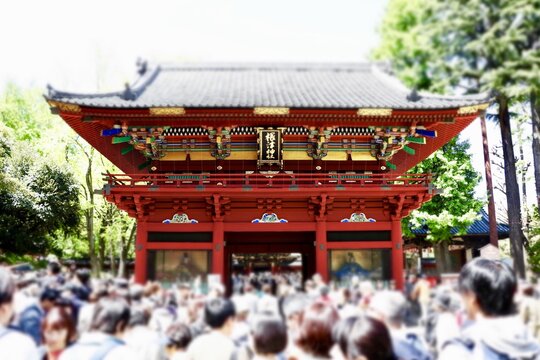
266, 181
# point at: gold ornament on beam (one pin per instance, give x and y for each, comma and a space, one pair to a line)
466, 110
374, 112
271, 111
167, 111
65, 107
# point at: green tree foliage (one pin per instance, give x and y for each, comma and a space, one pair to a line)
455, 206
48, 175
471, 46
36, 199
534, 239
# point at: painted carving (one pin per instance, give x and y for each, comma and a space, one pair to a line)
318, 142
180, 218
269, 218
358, 217
220, 140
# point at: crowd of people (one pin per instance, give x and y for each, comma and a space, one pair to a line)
65, 314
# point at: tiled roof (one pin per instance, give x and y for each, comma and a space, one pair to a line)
337, 86
478, 227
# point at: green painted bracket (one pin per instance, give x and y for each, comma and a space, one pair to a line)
144, 165
409, 150
391, 166
416, 140
121, 139
127, 149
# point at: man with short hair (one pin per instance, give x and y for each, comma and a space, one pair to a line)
32, 316
217, 344
13, 344
104, 341
487, 288
390, 307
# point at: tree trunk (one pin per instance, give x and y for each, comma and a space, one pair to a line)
121, 259
517, 239
123, 252
523, 184
493, 233
442, 257
101, 249
89, 213
111, 257
535, 111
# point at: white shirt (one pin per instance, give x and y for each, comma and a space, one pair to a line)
146, 343
16, 346
268, 303
446, 329
89, 343
212, 346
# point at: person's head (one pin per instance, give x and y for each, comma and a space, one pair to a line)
292, 307
54, 268
389, 307
83, 276
269, 334
267, 289
7, 289
364, 338
48, 298
528, 291
324, 291
111, 316
139, 316
488, 288
442, 301
315, 333
248, 288
178, 337
219, 314
58, 329
136, 292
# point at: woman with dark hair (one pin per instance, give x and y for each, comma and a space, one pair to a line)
364, 338
178, 338
315, 334
58, 331
269, 336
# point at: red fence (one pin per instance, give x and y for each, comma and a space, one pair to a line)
266, 180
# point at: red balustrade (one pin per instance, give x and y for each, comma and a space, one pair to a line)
257, 180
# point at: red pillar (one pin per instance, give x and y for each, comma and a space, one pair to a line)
321, 251
397, 254
218, 253
141, 252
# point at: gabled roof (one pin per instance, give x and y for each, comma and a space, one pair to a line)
331, 86
478, 227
